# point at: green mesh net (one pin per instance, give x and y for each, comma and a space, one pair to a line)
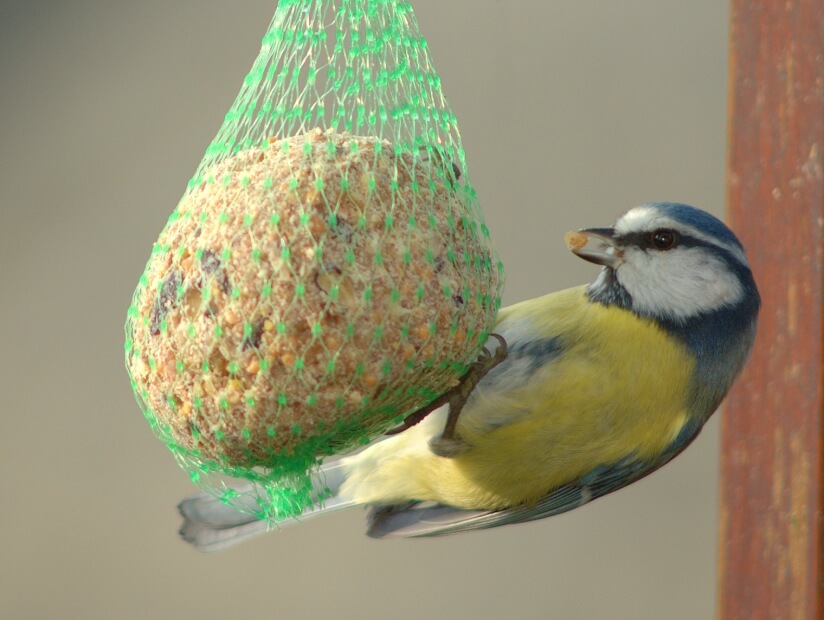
327, 271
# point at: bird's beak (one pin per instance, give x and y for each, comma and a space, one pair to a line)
607, 254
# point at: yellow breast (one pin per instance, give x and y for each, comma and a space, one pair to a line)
618, 388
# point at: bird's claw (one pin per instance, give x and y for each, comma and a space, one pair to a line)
447, 444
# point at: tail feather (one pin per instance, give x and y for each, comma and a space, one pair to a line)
208, 510
208, 538
210, 525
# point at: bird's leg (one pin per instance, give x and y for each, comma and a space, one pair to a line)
447, 444
414, 418
457, 396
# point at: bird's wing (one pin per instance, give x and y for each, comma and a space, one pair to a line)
497, 399
428, 519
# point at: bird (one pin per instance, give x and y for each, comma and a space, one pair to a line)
600, 385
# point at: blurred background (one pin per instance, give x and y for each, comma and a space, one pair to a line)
570, 113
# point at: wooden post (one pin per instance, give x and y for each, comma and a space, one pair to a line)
771, 544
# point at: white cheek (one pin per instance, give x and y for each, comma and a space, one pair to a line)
679, 283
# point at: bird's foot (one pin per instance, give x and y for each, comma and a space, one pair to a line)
447, 444
456, 398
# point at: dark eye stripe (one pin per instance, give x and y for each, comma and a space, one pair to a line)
641, 240
644, 240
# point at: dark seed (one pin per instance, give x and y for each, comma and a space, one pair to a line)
252, 341
211, 263
459, 300
342, 230
164, 301
456, 171
224, 284
440, 263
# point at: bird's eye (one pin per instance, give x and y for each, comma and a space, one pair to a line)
664, 239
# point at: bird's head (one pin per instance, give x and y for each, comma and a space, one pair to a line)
671, 263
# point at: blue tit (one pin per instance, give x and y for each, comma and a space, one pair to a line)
601, 385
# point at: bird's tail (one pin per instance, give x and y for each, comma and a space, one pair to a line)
211, 525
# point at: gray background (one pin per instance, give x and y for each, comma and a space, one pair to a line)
570, 112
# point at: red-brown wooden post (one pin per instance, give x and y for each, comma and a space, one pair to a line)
771, 544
